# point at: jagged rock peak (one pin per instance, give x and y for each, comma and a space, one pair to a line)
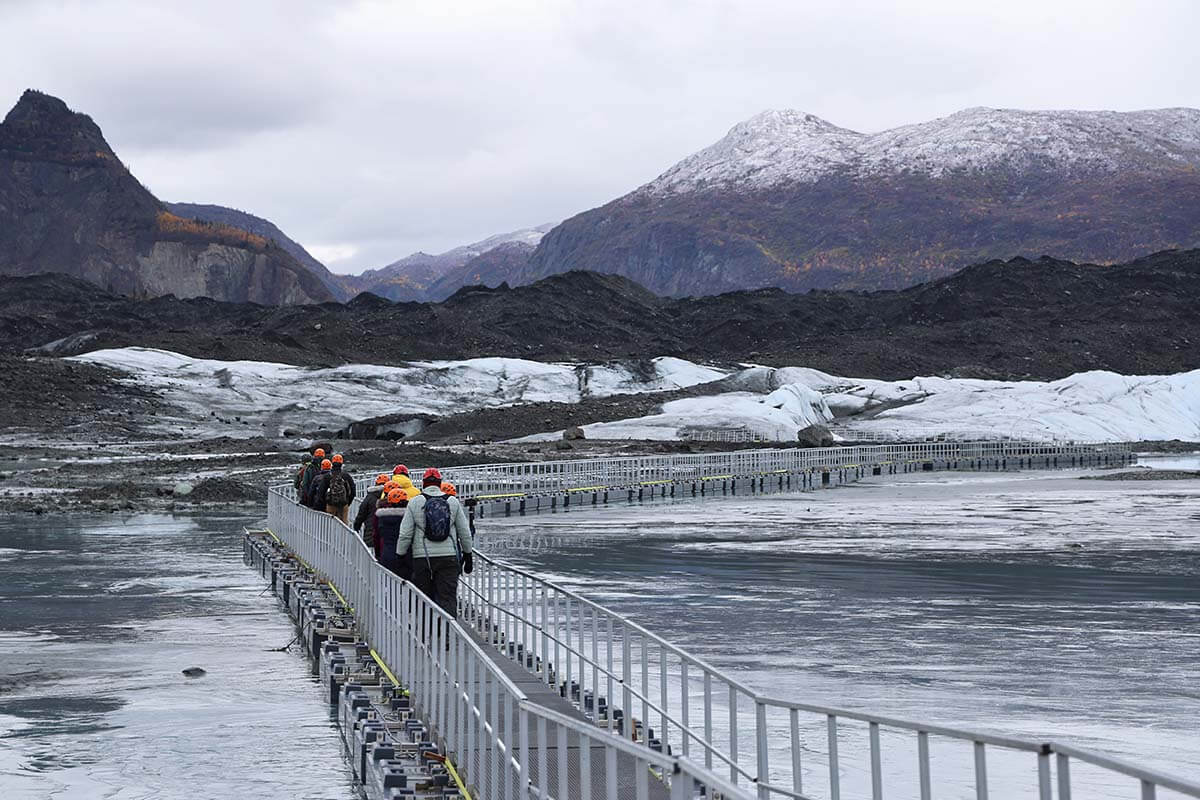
41, 125
779, 147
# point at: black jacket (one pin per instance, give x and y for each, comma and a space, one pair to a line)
298, 483
367, 507
321, 493
308, 479
316, 490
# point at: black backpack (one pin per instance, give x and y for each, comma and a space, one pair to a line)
337, 494
437, 518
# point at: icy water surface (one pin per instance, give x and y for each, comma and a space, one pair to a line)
1032, 604
98, 616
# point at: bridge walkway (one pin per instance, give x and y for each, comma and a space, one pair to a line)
759, 739
623, 768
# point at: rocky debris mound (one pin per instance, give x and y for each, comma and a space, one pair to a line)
815, 436
67, 398
1148, 475
1020, 319
226, 490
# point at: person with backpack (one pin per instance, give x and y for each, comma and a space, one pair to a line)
320, 483
389, 517
309, 477
336, 491
366, 510
298, 482
317, 486
436, 529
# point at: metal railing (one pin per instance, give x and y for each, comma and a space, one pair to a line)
495, 734
740, 433
543, 477
631, 680
848, 433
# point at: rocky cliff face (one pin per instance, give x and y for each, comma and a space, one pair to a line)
68, 205
789, 200
242, 220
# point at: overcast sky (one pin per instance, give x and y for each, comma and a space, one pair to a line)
367, 131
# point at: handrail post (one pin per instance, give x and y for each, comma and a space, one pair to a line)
981, 785
1064, 776
926, 786
760, 727
1045, 792
876, 762
835, 776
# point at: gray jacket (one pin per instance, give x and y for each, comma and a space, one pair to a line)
412, 529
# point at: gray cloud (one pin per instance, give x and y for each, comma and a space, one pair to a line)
379, 128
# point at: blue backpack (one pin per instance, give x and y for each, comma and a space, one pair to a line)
437, 518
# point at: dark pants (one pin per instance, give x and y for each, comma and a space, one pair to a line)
397, 564
401, 566
437, 578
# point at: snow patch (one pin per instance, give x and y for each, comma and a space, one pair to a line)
1086, 407
775, 417
250, 398
246, 397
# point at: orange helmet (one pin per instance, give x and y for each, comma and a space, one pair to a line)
319, 452
337, 458
380, 480
395, 496
327, 464
449, 488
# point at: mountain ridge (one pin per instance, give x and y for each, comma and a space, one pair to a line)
778, 146
787, 199
67, 203
415, 276
1042, 318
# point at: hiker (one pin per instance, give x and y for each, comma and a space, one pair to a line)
406, 484
435, 528
310, 475
452, 490
389, 517
316, 488
305, 460
336, 491
366, 510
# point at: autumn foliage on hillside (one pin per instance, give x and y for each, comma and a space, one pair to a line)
185, 229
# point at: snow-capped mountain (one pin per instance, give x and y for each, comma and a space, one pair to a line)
787, 199
411, 277
529, 236
777, 147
